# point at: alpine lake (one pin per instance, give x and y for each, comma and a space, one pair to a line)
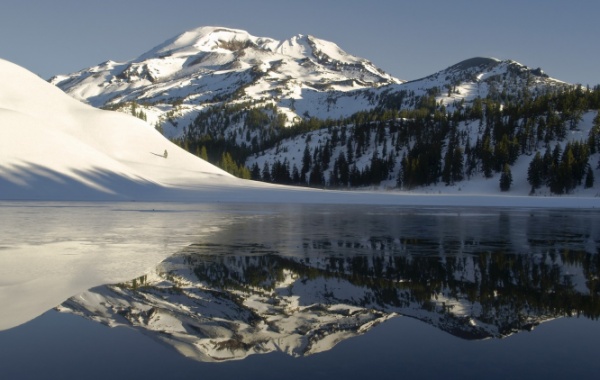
267, 291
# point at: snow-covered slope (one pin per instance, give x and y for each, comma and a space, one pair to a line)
290, 152
53, 146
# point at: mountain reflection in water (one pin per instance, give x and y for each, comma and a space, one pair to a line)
301, 283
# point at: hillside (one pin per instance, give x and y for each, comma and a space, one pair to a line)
55, 147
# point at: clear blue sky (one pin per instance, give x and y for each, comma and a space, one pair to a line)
408, 39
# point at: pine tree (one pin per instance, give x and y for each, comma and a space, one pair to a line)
448, 160
589, 178
566, 169
203, 154
505, 178
547, 166
535, 172
255, 172
228, 164
403, 174
295, 175
349, 151
266, 172
280, 172
594, 135
343, 169
316, 176
501, 153
355, 179
326, 155
306, 161
334, 177
458, 164
487, 158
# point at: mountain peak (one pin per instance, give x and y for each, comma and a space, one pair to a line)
486, 69
475, 62
204, 38
186, 67
488, 64
214, 39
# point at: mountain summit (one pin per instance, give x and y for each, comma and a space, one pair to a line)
211, 65
222, 40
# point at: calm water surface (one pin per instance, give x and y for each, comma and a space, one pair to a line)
265, 291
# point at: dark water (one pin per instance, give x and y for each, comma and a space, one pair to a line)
340, 292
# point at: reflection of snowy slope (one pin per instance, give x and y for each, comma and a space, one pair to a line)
222, 307
212, 324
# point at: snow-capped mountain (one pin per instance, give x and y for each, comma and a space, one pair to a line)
300, 77
214, 65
